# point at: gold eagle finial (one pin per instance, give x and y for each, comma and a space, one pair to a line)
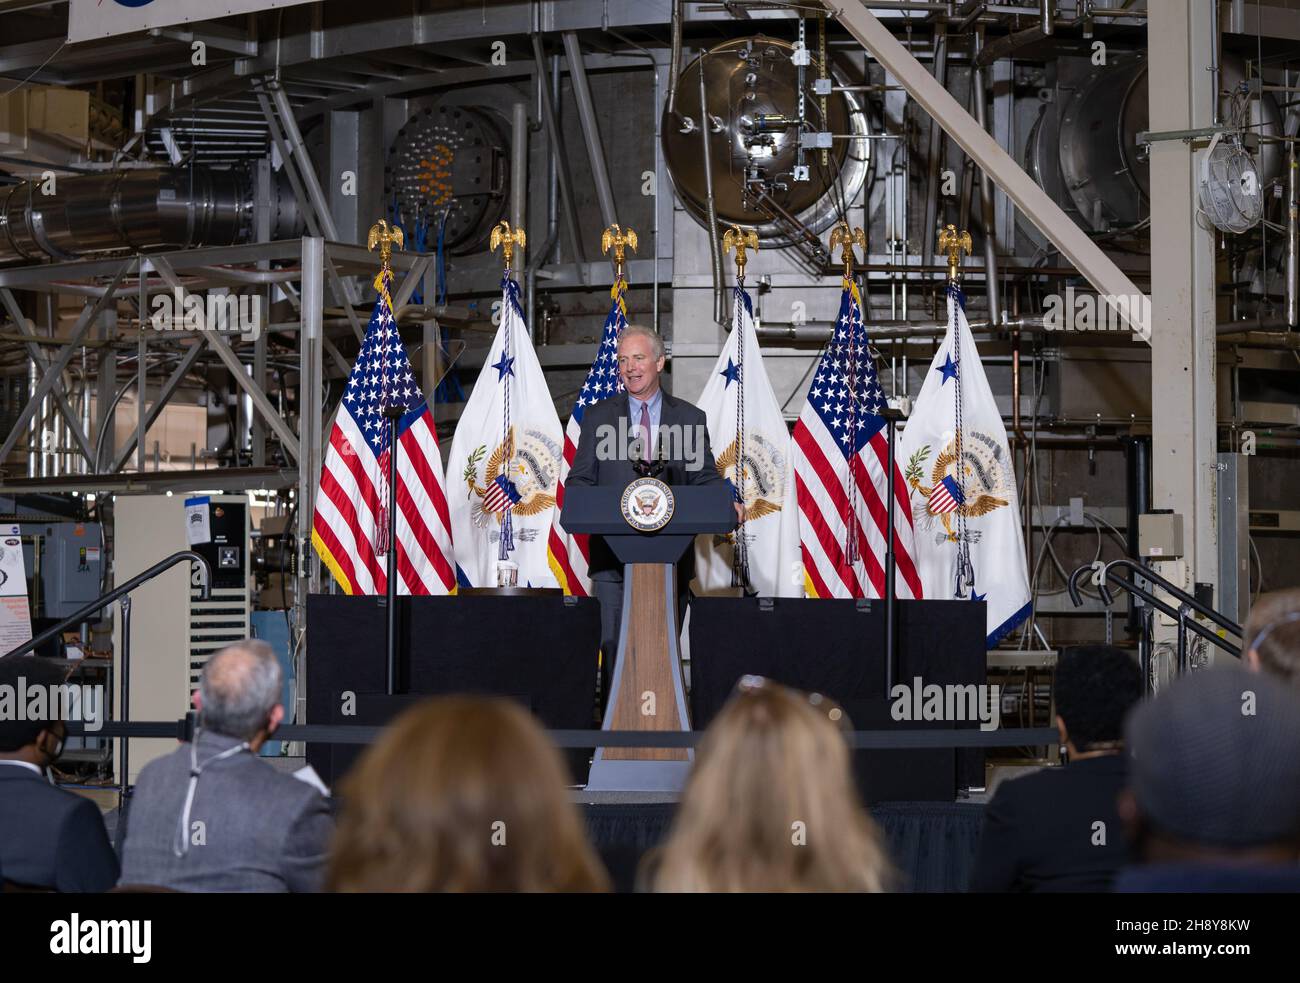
383, 235
619, 239
953, 242
740, 239
508, 240
846, 238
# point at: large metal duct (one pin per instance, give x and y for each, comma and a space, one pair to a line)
133, 210
1086, 156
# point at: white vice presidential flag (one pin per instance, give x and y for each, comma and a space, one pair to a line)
962, 485
739, 387
505, 461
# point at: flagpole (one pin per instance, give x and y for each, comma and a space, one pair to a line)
394, 415
891, 660
844, 237
740, 239
384, 237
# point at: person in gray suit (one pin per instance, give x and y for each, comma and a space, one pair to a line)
679, 439
210, 816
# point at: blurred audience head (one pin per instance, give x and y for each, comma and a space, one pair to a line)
38, 742
462, 794
1096, 687
239, 692
1272, 635
771, 803
1214, 772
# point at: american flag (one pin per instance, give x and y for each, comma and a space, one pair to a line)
500, 494
568, 554
946, 496
843, 520
350, 526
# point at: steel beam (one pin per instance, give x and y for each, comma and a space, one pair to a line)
106, 388
1108, 279
54, 371
413, 277
300, 157
1183, 405
169, 388
555, 147
305, 202
36, 355
519, 163
236, 367
310, 411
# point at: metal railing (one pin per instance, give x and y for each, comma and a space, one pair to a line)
1186, 606
182, 729
122, 593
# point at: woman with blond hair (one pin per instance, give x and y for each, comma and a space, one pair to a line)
771, 804
461, 794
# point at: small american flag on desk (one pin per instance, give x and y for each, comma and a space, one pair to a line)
350, 527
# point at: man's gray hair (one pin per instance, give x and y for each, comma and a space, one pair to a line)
240, 687
655, 339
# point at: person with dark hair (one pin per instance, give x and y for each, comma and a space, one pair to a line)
1059, 829
1213, 803
1271, 640
210, 816
50, 839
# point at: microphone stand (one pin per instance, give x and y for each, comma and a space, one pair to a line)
394, 416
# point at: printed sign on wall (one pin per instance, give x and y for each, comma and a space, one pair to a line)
15, 618
90, 19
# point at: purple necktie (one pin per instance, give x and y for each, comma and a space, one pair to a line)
645, 433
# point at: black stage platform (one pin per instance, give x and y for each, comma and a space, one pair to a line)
932, 844
541, 650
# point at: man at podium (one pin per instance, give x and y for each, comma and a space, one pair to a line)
643, 425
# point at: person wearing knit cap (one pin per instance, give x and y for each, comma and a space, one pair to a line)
1213, 802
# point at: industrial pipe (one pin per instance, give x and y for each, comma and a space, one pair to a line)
131, 210
929, 240
1293, 241
986, 191
555, 147
590, 129
675, 60
715, 244
880, 330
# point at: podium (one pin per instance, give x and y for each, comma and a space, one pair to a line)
647, 689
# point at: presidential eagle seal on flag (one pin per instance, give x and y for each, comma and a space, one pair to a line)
521, 475
761, 479
969, 544
981, 486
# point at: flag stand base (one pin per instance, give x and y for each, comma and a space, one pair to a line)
637, 776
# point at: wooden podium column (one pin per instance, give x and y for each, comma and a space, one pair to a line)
647, 691
648, 668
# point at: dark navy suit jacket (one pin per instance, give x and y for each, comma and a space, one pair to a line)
50, 838
589, 469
